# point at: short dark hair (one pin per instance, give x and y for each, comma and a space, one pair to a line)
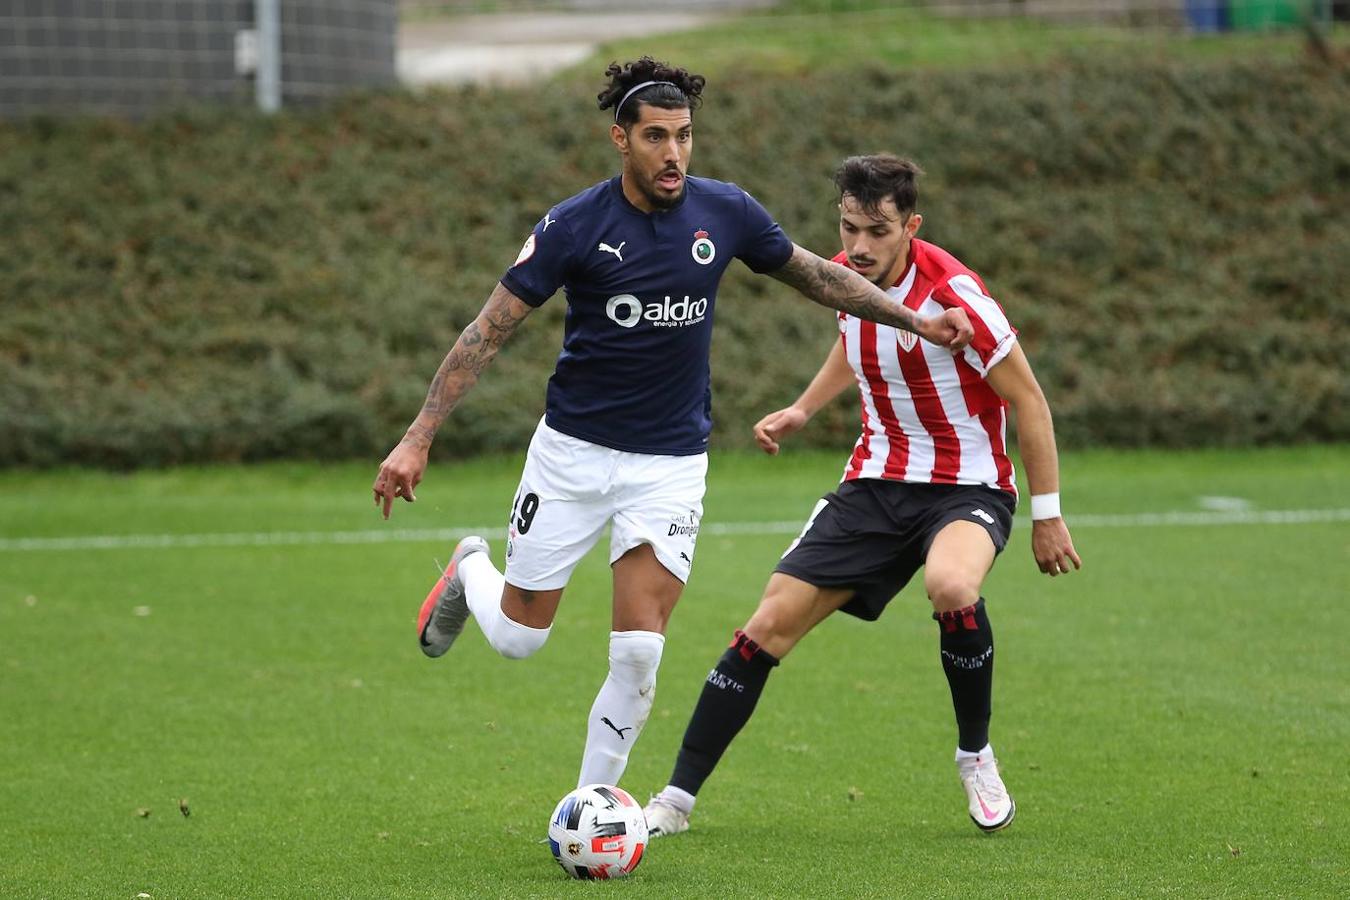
870, 180
685, 89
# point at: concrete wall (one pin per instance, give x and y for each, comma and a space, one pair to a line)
132, 57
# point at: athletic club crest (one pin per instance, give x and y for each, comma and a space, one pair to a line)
704, 250
907, 339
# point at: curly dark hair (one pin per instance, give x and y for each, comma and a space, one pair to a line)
685, 89
872, 179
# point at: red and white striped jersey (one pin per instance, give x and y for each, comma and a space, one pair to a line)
929, 416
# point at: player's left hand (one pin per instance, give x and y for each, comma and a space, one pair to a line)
1053, 547
952, 329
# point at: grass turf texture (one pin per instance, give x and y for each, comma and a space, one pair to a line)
1172, 720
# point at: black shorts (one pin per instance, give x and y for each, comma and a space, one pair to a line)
873, 535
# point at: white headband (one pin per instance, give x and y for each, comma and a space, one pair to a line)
633, 90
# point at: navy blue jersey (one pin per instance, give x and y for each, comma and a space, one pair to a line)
641, 287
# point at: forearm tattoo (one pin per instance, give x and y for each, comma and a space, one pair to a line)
837, 287
459, 371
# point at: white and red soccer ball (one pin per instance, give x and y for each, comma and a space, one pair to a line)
598, 831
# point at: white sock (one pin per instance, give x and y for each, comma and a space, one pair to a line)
987, 753
678, 798
622, 706
483, 592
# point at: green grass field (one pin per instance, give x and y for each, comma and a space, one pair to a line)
1173, 720
810, 36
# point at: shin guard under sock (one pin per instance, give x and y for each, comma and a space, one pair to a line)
729, 697
967, 644
622, 706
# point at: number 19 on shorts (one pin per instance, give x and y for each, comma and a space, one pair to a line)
523, 510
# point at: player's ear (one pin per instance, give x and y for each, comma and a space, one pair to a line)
912, 226
619, 137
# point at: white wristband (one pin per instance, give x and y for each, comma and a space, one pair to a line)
1044, 506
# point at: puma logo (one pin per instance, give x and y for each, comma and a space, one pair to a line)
617, 730
617, 251
686, 558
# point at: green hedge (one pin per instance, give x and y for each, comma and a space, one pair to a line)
219, 286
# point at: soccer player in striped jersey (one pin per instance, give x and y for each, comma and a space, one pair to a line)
929, 484
623, 442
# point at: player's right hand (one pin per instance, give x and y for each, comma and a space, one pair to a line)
777, 425
400, 472
951, 329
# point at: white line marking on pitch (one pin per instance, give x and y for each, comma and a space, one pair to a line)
1224, 504
443, 535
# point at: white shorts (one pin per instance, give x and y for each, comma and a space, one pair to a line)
571, 489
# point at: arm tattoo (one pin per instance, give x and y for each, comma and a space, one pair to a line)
837, 287
459, 371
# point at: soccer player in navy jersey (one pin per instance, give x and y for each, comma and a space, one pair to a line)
929, 484
624, 437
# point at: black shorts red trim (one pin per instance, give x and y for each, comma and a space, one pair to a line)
873, 535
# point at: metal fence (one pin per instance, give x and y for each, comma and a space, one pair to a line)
131, 57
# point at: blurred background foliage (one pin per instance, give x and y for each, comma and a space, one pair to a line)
1170, 237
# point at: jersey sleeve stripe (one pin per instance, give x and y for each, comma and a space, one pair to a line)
985, 363
980, 303
987, 340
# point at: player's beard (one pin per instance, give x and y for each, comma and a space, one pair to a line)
877, 275
661, 200
882, 276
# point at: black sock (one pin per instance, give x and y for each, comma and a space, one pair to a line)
729, 697
967, 644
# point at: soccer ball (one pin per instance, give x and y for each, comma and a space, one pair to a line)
598, 831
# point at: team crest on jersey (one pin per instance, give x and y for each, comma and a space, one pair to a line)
525, 252
704, 250
907, 339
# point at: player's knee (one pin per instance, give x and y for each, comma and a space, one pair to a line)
775, 622
767, 626
516, 641
634, 657
951, 590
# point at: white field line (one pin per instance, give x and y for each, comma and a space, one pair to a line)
445, 535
